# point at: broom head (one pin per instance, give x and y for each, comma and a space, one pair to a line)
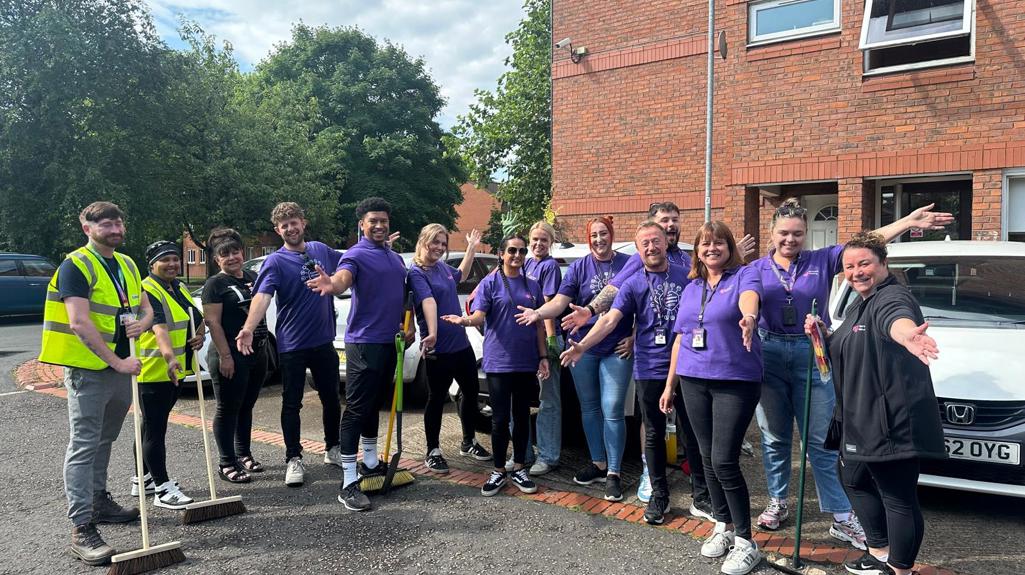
213, 509
143, 560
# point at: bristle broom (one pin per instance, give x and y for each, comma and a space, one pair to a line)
144, 560
376, 483
213, 509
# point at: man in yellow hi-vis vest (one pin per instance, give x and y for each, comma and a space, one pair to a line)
94, 304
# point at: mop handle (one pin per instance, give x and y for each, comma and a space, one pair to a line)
202, 416
138, 450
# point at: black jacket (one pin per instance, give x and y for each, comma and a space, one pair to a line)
885, 398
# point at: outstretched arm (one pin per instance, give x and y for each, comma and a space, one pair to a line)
923, 218
914, 339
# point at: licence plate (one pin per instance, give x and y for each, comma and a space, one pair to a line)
983, 450
341, 355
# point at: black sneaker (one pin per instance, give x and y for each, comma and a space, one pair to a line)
494, 484
474, 450
522, 481
436, 462
655, 514
867, 565
89, 547
106, 510
590, 474
353, 498
702, 509
364, 471
613, 488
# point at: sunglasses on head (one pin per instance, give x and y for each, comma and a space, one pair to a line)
512, 250
791, 211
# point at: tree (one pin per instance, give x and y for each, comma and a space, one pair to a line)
509, 130
368, 110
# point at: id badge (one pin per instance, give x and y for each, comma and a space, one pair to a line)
698, 338
789, 315
660, 336
126, 316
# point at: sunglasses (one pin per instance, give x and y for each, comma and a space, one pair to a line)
791, 211
512, 250
308, 263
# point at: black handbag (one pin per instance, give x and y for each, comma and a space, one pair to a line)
834, 435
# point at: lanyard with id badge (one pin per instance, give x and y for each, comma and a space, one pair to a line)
658, 306
125, 314
698, 334
789, 309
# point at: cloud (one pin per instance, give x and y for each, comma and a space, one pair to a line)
462, 42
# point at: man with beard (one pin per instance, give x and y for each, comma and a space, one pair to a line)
305, 332
377, 276
94, 304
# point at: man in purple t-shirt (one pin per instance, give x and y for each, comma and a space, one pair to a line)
377, 276
304, 332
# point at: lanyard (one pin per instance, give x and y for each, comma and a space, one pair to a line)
658, 304
117, 278
603, 275
705, 293
788, 286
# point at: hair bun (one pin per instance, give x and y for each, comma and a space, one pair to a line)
790, 203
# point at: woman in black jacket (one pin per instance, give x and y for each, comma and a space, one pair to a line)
885, 406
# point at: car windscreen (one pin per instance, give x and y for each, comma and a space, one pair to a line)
969, 290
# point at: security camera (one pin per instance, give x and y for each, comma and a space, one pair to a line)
563, 43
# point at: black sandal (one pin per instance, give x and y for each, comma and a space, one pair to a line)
234, 474
251, 464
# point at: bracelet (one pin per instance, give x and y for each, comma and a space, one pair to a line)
590, 308
751, 315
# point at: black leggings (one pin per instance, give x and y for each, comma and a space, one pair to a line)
884, 495
441, 370
157, 399
720, 412
511, 392
236, 396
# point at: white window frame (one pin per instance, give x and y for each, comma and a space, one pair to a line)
967, 27
1005, 197
191, 257
898, 208
929, 63
755, 7
202, 256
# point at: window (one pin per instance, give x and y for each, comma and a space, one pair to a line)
191, 257
267, 251
786, 19
898, 198
38, 268
905, 34
8, 268
1015, 210
202, 257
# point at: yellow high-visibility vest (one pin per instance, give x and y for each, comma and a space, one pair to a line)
60, 345
154, 367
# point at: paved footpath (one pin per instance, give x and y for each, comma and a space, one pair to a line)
436, 525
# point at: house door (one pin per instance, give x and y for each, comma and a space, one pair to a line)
823, 227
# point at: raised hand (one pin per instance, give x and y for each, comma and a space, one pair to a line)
927, 219
576, 320
746, 246
527, 316
322, 283
473, 240
921, 345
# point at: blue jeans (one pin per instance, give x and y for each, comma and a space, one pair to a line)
549, 415
601, 384
785, 360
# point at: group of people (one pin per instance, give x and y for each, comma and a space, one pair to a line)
700, 338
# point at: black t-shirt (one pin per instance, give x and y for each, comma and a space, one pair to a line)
159, 317
234, 294
71, 282
884, 393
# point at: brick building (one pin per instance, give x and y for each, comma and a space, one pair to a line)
194, 259
474, 212
862, 118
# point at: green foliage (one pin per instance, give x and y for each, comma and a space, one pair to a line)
508, 131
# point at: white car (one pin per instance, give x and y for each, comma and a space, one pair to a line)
973, 296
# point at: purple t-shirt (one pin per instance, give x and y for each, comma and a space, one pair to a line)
652, 299
305, 319
508, 346
439, 282
810, 278
548, 275
585, 278
724, 356
674, 254
378, 292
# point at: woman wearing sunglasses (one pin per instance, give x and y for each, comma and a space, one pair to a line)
515, 357
448, 351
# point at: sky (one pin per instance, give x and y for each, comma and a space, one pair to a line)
461, 41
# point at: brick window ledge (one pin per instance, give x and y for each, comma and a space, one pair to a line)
794, 47
918, 78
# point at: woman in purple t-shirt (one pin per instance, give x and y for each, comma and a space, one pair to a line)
446, 347
792, 277
718, 356
515, 356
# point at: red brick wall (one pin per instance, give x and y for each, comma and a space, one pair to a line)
474, 212
628, 122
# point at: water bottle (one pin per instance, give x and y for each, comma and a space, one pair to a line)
671, 438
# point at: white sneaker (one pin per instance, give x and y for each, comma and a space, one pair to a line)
333, 456
295, 473
147, 481
718, 543
743, 557
540, 468
169, 496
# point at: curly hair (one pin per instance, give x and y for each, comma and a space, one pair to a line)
372, 204
868, 240
286, 211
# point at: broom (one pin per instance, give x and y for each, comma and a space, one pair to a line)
214, 508
148, 558
394, 477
